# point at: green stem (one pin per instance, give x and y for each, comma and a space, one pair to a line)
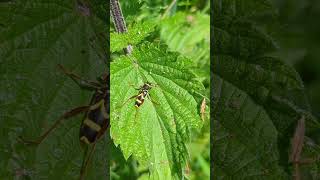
168, 9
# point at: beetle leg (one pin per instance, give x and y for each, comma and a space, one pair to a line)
86, 160
127, 101
83, 83
132, 85
65, 116
154, 102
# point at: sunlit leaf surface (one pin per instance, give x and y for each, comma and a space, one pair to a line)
156, 132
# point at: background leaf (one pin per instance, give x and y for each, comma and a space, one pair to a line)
189, 34
35, 36
258, 98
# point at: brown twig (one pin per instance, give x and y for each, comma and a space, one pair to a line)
203, 108
297, 145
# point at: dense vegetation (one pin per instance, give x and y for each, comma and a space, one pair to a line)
259, 97
265, 78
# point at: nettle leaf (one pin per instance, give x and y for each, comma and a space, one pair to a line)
136, 33
189, 34
184, 32
131, 8
245, 140
250, 9
156, 132
35, 36
258, 98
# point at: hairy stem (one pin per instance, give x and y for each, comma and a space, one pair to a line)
119, 22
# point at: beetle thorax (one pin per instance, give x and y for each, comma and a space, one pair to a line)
145, 92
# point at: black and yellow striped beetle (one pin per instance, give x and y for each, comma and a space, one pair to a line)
143, 93
96, 120
141, 96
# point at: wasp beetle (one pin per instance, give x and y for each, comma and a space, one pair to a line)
96, 119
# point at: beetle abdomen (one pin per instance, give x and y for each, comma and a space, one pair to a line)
139, 100
93, 123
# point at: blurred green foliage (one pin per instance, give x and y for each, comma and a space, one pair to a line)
258, 94
299, 40
298, 34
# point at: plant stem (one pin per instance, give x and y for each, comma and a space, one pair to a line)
297, 145
119, 22
169, 8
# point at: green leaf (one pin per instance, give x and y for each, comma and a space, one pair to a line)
311, 152
245, 139
156, 132
258, 98
183, 32
136, 33
189, 34
35, 37
131, 8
